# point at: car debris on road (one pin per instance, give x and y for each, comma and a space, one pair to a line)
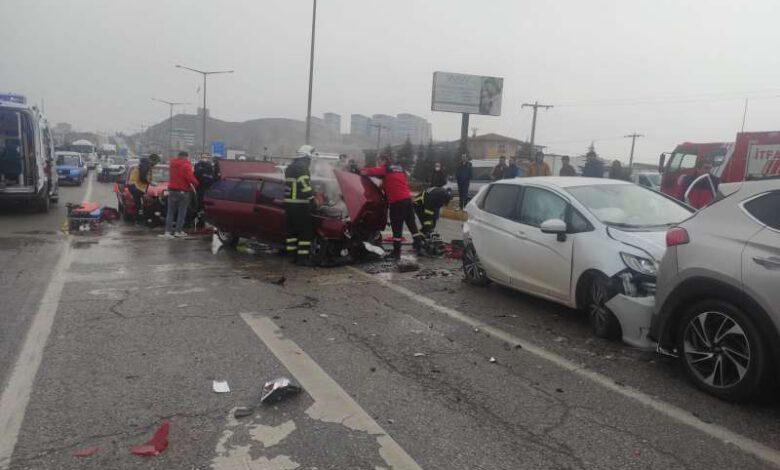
279, 389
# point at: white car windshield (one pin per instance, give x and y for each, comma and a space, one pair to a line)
628, 205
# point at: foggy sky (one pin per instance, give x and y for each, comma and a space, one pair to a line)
673, 70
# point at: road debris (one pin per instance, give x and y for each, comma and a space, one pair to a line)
407, 264
492, 359
279, 389
156, 445
374, 249
419, 354
86, 452
323, 315
428, 273
243, 412
220, 386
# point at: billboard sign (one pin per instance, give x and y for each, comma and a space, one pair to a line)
218, 148
461, 93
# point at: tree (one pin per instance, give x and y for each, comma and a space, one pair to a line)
405, 156
370, 157
424, 165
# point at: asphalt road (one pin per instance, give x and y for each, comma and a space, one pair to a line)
104, 336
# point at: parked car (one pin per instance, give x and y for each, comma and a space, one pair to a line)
247, 201
70, 168
27, 173
718, 300
111, 170
648, 179
573, 240
155, 200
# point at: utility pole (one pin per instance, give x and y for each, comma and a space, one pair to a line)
379, 128
536, 107
474, 132
631, 157
170, 104
205, 74
311, 71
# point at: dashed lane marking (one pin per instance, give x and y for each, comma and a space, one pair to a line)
680, 415
331, 402
16, 396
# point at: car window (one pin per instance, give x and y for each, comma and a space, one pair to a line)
540, 205
766, 209
683, 161
243, 192
221, 189
501, 200
577, 223
272, 190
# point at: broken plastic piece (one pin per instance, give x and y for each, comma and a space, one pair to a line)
492, 359
374, 249
279, 389
220, 386
86, 452
419, 354
155, 445
407, 264
242, 412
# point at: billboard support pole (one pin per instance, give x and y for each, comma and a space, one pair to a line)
464, 134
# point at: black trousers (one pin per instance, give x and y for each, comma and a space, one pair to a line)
463, 194
137, 200
300, 230
401, 212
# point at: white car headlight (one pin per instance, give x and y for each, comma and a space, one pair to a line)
640, 265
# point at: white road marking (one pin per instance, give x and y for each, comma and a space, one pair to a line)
331, 402
680, 415
16, 396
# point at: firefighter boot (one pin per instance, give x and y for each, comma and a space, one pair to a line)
396, 254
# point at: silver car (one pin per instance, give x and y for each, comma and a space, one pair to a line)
718, 300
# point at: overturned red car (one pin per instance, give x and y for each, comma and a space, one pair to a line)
246, 201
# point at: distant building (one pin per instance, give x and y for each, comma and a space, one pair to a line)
492, 146
388, 126
360, 125
332, 122
417, 129
183, 138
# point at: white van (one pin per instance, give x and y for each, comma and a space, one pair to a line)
26, 154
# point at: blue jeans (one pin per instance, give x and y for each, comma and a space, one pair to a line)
177, 210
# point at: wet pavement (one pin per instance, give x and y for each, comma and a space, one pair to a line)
396, 367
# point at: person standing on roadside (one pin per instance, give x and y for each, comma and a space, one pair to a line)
181, 179
463, 175
498, 170
566, 168
438, 178
593, 168
138, 182
538, 167
204, 173
513, 170
399, 197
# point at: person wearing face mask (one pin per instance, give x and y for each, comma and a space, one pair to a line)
438, 178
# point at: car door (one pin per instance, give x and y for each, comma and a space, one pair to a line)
545, 258
216, 205
268, 213
761, 257
240, 206
495, 232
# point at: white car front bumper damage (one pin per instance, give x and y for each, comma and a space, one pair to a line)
634, 315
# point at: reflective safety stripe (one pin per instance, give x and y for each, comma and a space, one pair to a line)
418, 234
428, 212
304, 243
297, 201
303, 252
291, 240
292, 248
428, 222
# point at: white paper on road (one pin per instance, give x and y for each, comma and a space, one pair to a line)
220, 387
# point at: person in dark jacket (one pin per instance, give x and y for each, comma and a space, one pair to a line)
297, 207
438, 178
399, 197
616, 171
463, 175
204, 173
427, 205
512, 170
593, 167
566, 168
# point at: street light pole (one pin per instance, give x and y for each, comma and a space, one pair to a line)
170, 104
311, 71
205, 74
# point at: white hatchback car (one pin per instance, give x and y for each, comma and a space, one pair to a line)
576, 241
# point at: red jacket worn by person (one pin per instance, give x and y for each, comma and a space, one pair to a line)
180, 175
395, 185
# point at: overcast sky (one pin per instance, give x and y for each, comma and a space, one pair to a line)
673, 70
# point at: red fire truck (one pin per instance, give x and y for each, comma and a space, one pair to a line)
692, 172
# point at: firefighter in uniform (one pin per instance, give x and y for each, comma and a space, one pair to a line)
297, 207
427, 205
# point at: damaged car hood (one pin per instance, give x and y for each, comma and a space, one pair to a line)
652, 242
366, 205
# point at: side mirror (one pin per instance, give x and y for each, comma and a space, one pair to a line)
555, 226
661, 163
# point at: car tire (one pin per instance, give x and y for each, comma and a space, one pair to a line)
227, 238
472, 269
732, 366
603, 322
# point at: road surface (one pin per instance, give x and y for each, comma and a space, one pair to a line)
106, 336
